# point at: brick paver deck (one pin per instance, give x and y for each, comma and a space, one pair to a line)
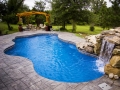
17, 73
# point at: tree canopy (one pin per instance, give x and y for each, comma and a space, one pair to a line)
8, 9
39, 5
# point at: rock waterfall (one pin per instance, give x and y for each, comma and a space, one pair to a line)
107, 46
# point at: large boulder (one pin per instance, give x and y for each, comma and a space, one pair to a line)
116, 51
116, 40
117, 30
113, 39
115, 61
93, 38
117, 34
109, 69
118, 47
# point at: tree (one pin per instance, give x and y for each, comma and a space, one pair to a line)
23, 8
39, 5
93, 19
64, 10
115, 13
105, 17
103, 13
96, 5
8, 8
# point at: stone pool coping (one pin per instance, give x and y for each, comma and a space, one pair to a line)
17, 73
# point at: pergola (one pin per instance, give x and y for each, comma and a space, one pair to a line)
32, 13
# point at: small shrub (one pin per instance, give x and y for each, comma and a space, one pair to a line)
63, 29
20, 23
11, 28
46, 23
84, 23
92, 28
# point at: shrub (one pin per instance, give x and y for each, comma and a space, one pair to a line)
46, 23
92, 28
20, 23
63, 29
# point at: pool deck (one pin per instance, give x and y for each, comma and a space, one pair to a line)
17, 73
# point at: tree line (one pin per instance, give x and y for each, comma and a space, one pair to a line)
92, 12
81, 12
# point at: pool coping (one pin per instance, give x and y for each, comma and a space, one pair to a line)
18, 72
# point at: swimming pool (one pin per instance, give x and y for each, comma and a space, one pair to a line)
55, 59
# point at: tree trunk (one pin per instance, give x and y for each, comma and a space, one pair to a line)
0, 32
74, 26
8, 24
63, 26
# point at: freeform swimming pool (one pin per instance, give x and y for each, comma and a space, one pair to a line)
54, 59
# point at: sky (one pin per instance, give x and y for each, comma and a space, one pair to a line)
30, 3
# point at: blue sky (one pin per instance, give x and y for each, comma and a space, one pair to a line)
30, 3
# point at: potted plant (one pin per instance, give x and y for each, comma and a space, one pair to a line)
46, 26
20, 26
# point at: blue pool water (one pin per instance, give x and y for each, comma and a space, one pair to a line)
55, 59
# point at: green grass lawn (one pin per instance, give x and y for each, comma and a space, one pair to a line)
81, 31
4, 28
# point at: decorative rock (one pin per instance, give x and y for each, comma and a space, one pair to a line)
117, 47
112, 29
116, 77
113, 39
109, 69
90, 44
117, 30
116, 51
117, 34
91, 39
115, 61
89, 50
117, 27
116, 40
97, 48
81, 45
105, 32
111, 33
111, 75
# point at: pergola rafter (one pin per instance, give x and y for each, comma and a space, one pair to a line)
33, 13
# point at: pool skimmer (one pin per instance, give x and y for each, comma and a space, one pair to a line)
104, 86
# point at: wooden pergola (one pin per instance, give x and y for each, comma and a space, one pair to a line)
33, 13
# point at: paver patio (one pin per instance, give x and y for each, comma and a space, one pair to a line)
17, 73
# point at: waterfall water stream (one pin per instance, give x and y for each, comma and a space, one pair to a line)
105, 54
106, 51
